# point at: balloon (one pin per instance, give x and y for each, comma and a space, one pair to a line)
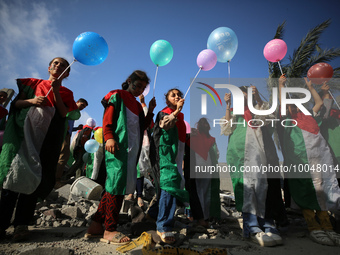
91, 146
206, 59
98, 135
275, 50
146, 90
161, 52
187, 127
90, 48
320, 72
223, 41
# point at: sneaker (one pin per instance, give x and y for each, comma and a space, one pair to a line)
21, 233
335, 237
319, 236
277, 238
262, 239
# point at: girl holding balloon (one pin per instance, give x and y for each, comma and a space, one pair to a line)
168, 151
32, 142
315, 190
251, 145
330, 127
124, 123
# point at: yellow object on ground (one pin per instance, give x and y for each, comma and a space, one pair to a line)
148, 248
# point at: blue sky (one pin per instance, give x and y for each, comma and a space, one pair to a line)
33, 32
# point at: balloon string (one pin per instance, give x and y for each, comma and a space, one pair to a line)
61, 75
154, 83
192, 82
329, 91
280, 67
229, 70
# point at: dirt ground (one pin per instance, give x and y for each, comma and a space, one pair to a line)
71, 241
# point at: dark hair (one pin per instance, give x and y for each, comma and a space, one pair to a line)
3, 91
137, 75
244, 89
167, 93
67, 63
82, 100
203, 126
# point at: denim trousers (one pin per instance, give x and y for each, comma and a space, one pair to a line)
166, 212
253, 224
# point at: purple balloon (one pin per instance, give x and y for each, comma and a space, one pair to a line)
206, 59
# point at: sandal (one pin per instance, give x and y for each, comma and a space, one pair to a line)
166, 237
21, 233
129, 197
116, 239
319, 236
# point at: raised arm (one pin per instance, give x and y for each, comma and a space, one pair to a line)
317, 99
227, 99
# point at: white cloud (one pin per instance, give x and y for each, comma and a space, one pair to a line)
29, 40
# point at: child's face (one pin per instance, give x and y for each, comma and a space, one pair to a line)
3, 97
292, 109
81, 105
137, 87
173, 97
57, 67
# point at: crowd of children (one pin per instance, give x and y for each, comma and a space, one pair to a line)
36, 147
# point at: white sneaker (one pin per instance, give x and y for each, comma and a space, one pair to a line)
262, 239
321, 237
277, 238
335, 237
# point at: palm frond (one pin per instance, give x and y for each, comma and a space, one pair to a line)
305, 51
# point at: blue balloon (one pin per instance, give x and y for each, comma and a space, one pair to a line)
223, 41
161, 52
90, 49
91, 146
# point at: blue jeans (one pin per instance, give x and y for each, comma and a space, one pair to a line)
166, 212
253, 224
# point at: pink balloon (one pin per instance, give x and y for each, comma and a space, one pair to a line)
188, 128
206, 59
275, 50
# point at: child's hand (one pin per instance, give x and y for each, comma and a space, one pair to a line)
282, 80
141, 98
152, 104
56, 85
227, 98
325, 87
308, 83
180, 104
111, 146
255, 92
39, 101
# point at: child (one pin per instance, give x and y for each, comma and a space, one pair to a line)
315, 192
249, 146
123, 126
65, 149
169, 138
204, 188
330, 127
144, 165
32, 142
79, 150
